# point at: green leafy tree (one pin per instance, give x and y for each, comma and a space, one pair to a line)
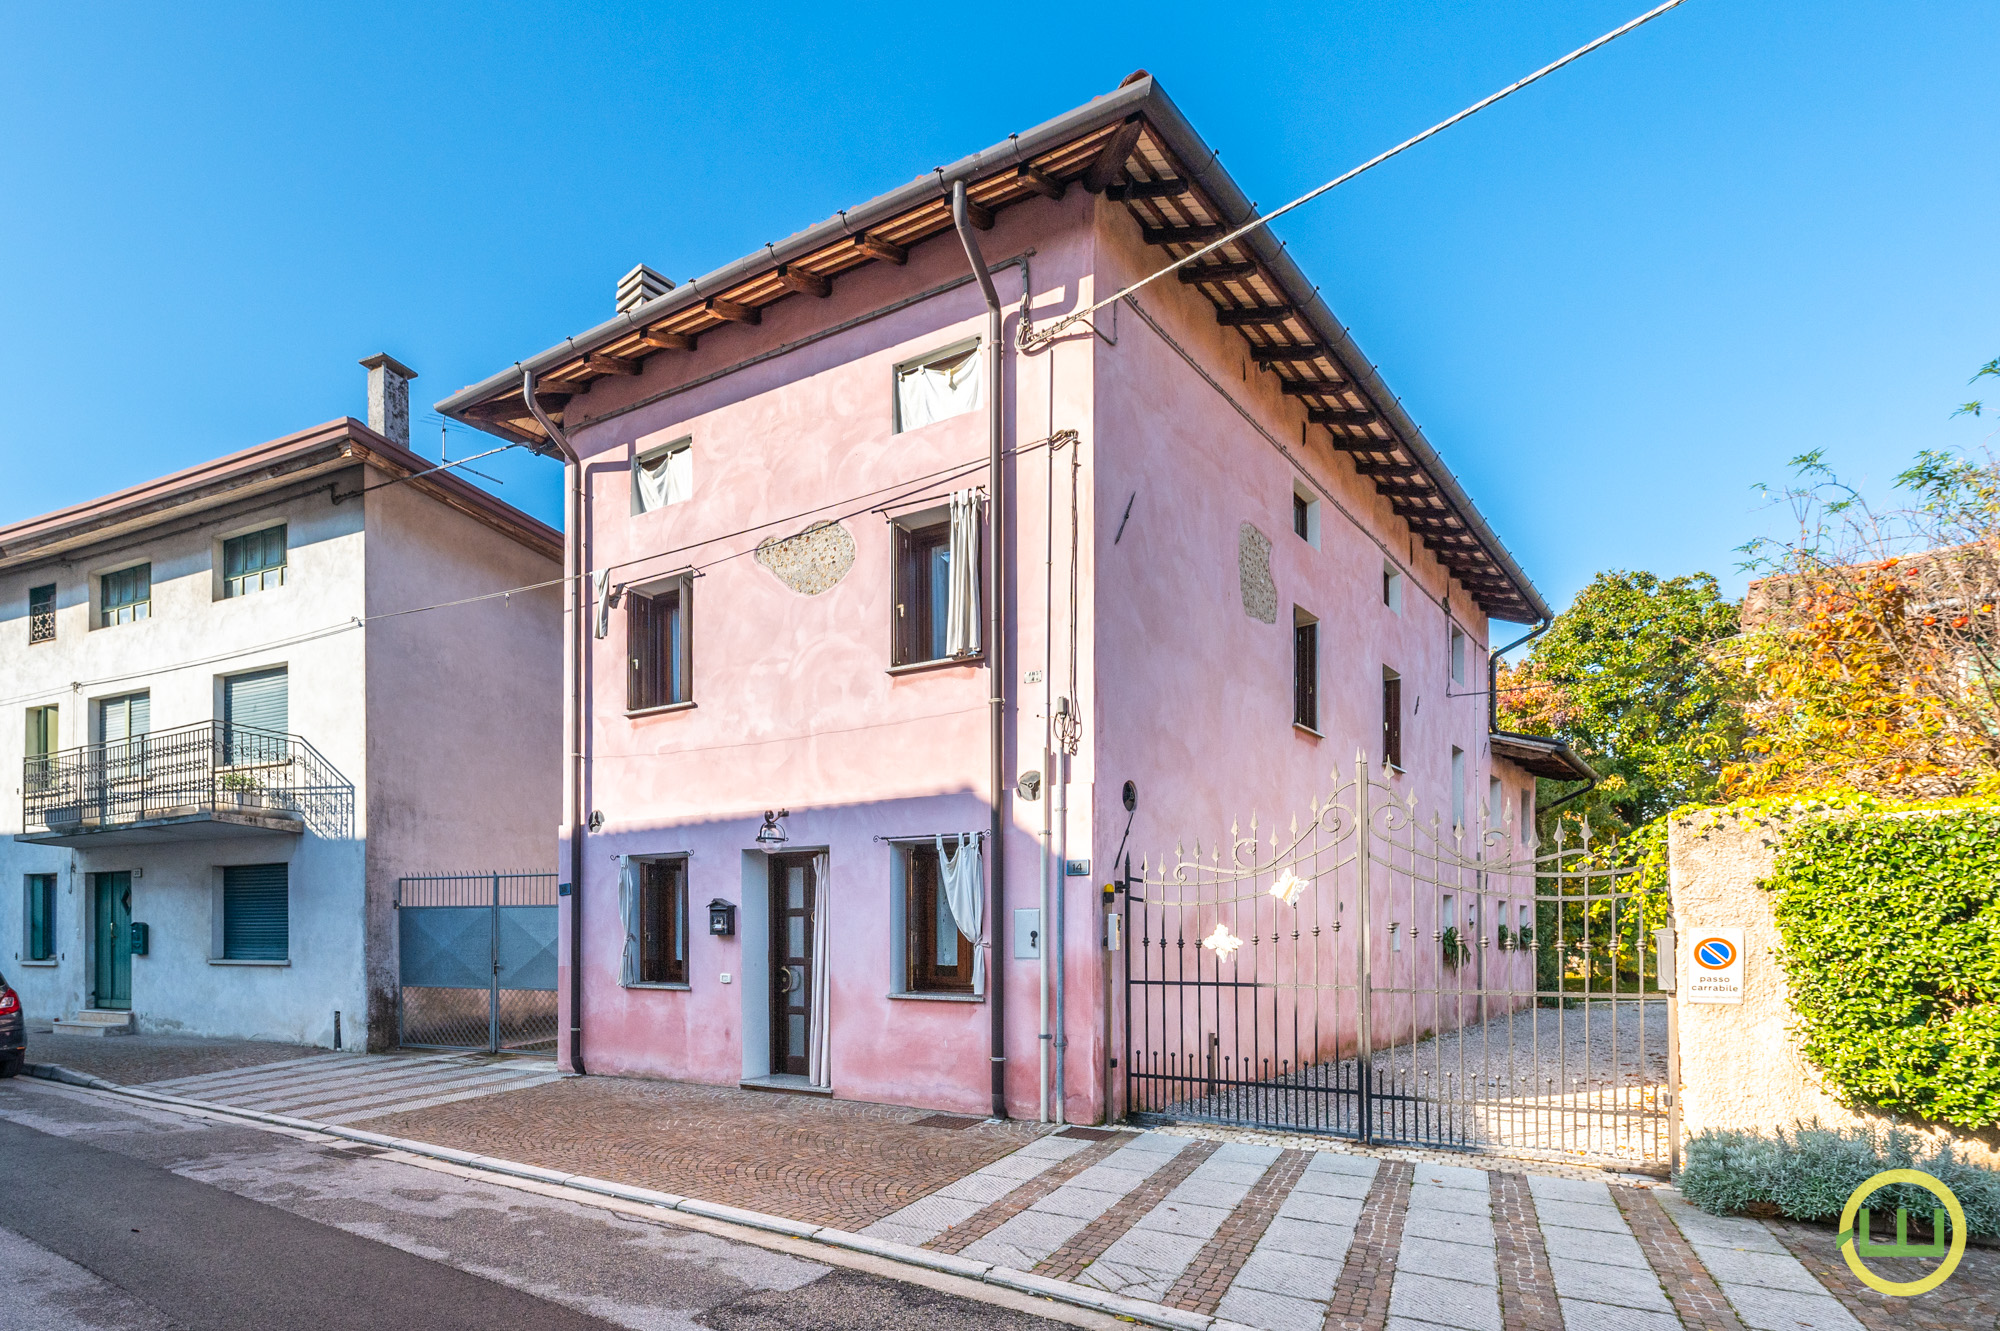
1628, 678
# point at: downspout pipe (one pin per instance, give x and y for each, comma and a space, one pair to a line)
996, 648
572, 706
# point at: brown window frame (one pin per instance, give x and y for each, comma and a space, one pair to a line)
1305, 670
1392, 719
916, 634
663, 921
652, 621
923, 883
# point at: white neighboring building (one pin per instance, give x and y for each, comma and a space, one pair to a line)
219, 729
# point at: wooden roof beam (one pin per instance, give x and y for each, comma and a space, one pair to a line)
1109, 164
1271, 355
793, 278
1041, 182
1341, 416
1183, 235
611, 364
1312, 388
875, 247
1217, 272
1388, 468
1256, 314
1169, 188
978, 214
1398, 489
659, 339
733, 311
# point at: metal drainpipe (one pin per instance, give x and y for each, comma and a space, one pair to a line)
996, 647
572, 709
1058, 934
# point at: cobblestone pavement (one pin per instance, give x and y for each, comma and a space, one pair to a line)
827, 1162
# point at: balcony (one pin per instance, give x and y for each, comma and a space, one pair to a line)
198, 782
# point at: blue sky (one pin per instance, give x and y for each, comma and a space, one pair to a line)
1614, 302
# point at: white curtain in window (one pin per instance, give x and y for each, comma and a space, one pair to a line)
939, 388
819, 1063
628, 910
963, 885
600, 592
664, 478
961, 629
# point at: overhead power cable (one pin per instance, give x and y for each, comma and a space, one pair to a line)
1040, 338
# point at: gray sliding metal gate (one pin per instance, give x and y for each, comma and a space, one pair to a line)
477, 962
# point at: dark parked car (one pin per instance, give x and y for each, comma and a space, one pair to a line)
13, 1031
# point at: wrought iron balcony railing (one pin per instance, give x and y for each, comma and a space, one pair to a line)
191, 773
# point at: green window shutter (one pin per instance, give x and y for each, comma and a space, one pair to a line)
259, 701
41, 916
256, 912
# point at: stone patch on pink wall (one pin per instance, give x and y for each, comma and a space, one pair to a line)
813, 560
1253, 560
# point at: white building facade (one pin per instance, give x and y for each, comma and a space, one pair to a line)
241, 704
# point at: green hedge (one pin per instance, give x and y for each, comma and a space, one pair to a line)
1809, 1173
1890, 924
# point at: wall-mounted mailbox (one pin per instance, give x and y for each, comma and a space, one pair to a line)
722, 918
142, 939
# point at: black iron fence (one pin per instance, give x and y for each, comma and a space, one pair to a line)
201, 769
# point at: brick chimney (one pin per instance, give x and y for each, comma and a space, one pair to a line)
389, 397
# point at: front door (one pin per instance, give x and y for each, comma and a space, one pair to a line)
112, 939
792, 919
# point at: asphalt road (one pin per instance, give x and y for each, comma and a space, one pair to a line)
114, 1216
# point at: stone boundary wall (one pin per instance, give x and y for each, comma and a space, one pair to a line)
1741, 1065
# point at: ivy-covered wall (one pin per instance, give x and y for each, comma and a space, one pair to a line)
1843, 1001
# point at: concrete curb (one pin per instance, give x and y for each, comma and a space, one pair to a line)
1021, 1282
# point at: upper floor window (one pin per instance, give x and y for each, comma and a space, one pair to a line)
1496, 802
943, 384
662, 476
42, 613
1305, 515
1458, 641
937, 585
1392, 719
42, 741
1457, 787
255, 562
1392, 588
1305, 670
126, 596
657, 641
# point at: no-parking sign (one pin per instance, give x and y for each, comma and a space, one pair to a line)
1715, 965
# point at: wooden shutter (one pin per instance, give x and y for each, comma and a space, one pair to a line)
642, 647
1305, 675
908, 599
1392, 722
256, 912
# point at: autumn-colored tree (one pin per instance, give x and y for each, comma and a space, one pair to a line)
1627, 677
1871, 657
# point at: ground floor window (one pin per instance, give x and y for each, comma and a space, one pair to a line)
41, 916
663, 922
940, 956
256, 912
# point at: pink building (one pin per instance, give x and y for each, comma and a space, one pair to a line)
1225, 561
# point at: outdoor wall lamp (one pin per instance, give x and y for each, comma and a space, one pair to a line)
773, 833
722, 918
